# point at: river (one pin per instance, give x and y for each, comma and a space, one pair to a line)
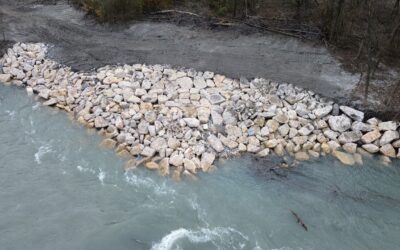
60, 190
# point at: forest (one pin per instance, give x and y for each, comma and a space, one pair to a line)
365, 32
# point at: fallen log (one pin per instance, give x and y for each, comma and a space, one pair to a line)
299, 220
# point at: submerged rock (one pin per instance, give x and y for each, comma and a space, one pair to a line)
344, 158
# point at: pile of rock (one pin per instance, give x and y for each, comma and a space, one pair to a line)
180, 121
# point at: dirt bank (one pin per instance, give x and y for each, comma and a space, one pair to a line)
83, 44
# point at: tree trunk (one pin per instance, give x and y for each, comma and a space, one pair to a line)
337, 11
234, 8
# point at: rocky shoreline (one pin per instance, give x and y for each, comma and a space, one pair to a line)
180, 121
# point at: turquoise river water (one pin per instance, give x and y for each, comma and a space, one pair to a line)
59, 190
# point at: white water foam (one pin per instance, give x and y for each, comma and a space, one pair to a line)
42, 151
203, 235
101, 176
83, 169
146, 182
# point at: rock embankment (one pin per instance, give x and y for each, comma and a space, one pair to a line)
180, 121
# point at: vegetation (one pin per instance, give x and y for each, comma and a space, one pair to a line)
367, 30
121, 10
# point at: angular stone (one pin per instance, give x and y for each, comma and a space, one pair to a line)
264, 131
164, 167
148, 152
44, 93
370, 148
371, 136
185, 82
388, 150
159, 143
339, 123
189, 165
176, 160
253, 148
100, 122
281, 118
300, 140
272, 125
388, 137
192, 122
331, 134
203, 114
151, 165
306, 130
344, 158
353, 113
263, 153
199, 83
284, 129
50, 102
322, 112
396, 144
228, 142
108, 143
302, 156
216, 118
173, 143
5, 78
271, 143
350, 148
215, 143
233, 131
360, 126
207, 159
215, 99
351, 136
229, 117
390, 125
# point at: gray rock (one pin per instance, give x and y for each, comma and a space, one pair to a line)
322, 112
371, 148
229, 117
176, 160
371, 136
159, 143
216, 99
185, 82
388, 137
44, 93
350, 148
306, 130
143, 127
100, 122
50, 102
192, 122
283, 130
388, 150
301, 110
396, 144
351, 136
353, 113
360, 126
339, 123
199, 83
207, 159
5, 78
390, 125
281, 118
148, 152
216, 118
215, 143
